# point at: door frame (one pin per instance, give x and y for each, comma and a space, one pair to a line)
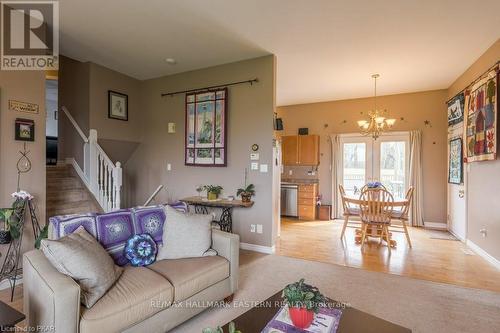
454, 132
371, 163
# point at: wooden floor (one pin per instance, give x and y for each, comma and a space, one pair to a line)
432, 259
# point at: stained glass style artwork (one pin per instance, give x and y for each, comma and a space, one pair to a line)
206, 128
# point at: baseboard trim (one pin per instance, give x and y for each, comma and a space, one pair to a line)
436, 225
258, 248
488, 257
463, 240
5, 283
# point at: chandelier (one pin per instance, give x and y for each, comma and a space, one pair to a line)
377, 124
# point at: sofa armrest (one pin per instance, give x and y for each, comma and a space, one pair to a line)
228, 246
51, 299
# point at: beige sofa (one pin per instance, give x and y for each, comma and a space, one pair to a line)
144, 299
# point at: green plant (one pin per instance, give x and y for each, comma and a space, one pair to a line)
215, 189
44, 233
5, 214
248, 190
232, 329
303, 295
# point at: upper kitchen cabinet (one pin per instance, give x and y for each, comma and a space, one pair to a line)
300, 150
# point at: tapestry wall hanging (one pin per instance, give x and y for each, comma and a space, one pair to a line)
456, 109
481, 119
206, 126
455, 161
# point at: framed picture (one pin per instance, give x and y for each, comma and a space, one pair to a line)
456, 109
24, 130
206, 127
455, 167
117, 105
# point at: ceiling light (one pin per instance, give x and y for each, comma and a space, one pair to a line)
170, 61
376, 124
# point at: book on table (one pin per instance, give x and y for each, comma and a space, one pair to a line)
325, 321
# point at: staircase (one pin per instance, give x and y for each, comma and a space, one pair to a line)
66, 193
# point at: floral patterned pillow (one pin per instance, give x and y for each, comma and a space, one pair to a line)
140, 250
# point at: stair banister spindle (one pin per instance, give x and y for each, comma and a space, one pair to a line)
117, 183
102, 177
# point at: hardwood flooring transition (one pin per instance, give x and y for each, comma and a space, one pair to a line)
439, 260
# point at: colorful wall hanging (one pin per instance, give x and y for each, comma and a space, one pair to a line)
481, 119
456, 109
206, 127
455, 161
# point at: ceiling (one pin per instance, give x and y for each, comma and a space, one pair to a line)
326, 49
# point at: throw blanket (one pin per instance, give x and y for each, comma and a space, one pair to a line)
113, 229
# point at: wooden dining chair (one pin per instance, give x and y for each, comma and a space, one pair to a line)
376, 206
349, 210
402, 213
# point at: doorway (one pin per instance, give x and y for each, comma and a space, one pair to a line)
384, 160
51, 133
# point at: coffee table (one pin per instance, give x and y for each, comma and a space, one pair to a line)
9, 317
352, 320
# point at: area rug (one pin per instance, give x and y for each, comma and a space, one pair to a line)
443, 235
422, 306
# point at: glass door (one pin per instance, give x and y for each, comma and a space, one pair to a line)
367, 160
391, 156
356, 163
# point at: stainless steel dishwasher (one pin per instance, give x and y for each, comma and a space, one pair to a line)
289, 196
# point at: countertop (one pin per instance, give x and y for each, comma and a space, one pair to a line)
299, 181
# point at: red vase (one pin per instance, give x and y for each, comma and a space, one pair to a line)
301, 317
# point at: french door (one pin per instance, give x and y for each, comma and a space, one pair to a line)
365, 160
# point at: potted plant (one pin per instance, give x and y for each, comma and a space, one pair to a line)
303, 302
5, 214
247, 192
213, 191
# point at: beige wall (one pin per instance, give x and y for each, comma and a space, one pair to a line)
27, 86
483, 196
83, 89
249, 121
74, 95
341, 116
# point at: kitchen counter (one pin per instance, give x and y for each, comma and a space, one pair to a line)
299, 181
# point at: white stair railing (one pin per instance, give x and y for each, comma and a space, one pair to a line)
100, 175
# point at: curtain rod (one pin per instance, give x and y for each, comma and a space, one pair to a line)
479, 78
251, 81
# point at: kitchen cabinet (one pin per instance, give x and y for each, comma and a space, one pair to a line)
307, 201
300, 150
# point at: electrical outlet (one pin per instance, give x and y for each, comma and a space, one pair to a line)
169, 167
259, 228
483, 232
252, 227
290, 172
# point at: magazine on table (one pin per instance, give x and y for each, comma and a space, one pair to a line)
325, 321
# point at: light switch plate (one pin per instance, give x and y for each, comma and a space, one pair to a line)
259, 228
171, 128
254, 166
169, 167
263, 168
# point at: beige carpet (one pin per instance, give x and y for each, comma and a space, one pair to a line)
423, 306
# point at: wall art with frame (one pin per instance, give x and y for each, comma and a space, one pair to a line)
455, 160
24, 129
206, 128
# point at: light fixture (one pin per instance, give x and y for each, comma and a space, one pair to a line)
377, 122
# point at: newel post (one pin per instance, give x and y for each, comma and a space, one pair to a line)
117, 182
93, 163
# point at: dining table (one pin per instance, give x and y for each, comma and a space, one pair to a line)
354, 201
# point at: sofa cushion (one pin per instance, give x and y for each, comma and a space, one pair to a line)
137, 295
81, 257
192, 275
185, 235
